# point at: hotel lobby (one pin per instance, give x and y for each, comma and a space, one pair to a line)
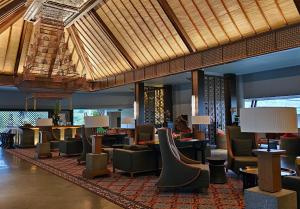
164, 104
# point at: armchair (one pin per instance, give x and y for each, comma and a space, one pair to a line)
239, 149
178, 171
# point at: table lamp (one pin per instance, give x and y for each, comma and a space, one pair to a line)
201, 120
127, 121
96, 122
269, 120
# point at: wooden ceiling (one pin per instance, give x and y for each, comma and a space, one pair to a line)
120, 36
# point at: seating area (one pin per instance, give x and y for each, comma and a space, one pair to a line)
163, 104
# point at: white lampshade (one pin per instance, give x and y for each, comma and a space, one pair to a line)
96, 121
127, 120
205, 119
269, 120
44, 122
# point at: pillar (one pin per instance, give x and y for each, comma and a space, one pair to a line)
230, 98
139, 103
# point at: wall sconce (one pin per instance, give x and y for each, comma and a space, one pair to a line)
193, 103
134, 110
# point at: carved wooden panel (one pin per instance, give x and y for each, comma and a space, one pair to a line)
150, 72
120, 79
177, 65
261, 44
234, 51
212, 56
129, 77
163, 69
139, 75
287, 38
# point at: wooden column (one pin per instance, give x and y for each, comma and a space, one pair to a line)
198, 93
168, 100
230, 99
139, 99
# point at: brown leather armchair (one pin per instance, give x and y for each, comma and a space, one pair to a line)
178, 171
239, 149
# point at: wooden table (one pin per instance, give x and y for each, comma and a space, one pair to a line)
250, 178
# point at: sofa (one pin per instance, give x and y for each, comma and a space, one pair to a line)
70, 146
134, 159
293, 182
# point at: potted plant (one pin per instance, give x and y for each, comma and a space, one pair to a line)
55, 116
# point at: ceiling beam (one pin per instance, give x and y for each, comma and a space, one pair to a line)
13, 5
86, 8
297, 3
12, 19
20, 47
177, 25
112, 37
81, 51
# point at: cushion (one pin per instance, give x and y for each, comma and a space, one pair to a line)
143, 136
135, 147
242, 147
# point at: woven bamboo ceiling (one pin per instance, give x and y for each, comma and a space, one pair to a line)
117, 36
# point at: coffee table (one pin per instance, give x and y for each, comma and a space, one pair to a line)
250, 178
217, 170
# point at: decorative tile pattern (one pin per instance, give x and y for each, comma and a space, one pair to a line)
139, 192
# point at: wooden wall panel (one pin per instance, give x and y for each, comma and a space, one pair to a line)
288, 38
177, 65
261, 44
212, 56
111, 81
235, 51
163, 69
150, 72
139, 75
193, 61
129, 77
120, 79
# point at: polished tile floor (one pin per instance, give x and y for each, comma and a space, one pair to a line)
25, 186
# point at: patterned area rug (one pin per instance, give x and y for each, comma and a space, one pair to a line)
140, 191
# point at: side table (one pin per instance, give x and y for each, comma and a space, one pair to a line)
96, 165
217, 170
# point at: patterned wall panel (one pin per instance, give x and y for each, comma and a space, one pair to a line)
154, 105
214, 104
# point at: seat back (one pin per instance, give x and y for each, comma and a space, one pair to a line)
171, 163
291, 145
144, 133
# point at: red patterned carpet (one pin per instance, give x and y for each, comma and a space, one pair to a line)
140, 191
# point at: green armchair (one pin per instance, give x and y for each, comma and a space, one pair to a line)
178, 171
239, 149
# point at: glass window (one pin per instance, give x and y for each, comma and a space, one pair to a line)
291, 101
18, 118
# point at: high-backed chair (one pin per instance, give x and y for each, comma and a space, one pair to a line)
144, 134
86, 143
27, 138
239, 147
291, 145
178, 171
293, 182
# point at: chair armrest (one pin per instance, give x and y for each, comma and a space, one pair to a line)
187, 160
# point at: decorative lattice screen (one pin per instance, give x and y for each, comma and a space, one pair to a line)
214, 104
154, 105
17, 118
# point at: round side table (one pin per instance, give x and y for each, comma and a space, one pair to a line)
217, 170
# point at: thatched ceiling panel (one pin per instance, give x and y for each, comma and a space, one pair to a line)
103, 54
143, 29
9, 42
212, 22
